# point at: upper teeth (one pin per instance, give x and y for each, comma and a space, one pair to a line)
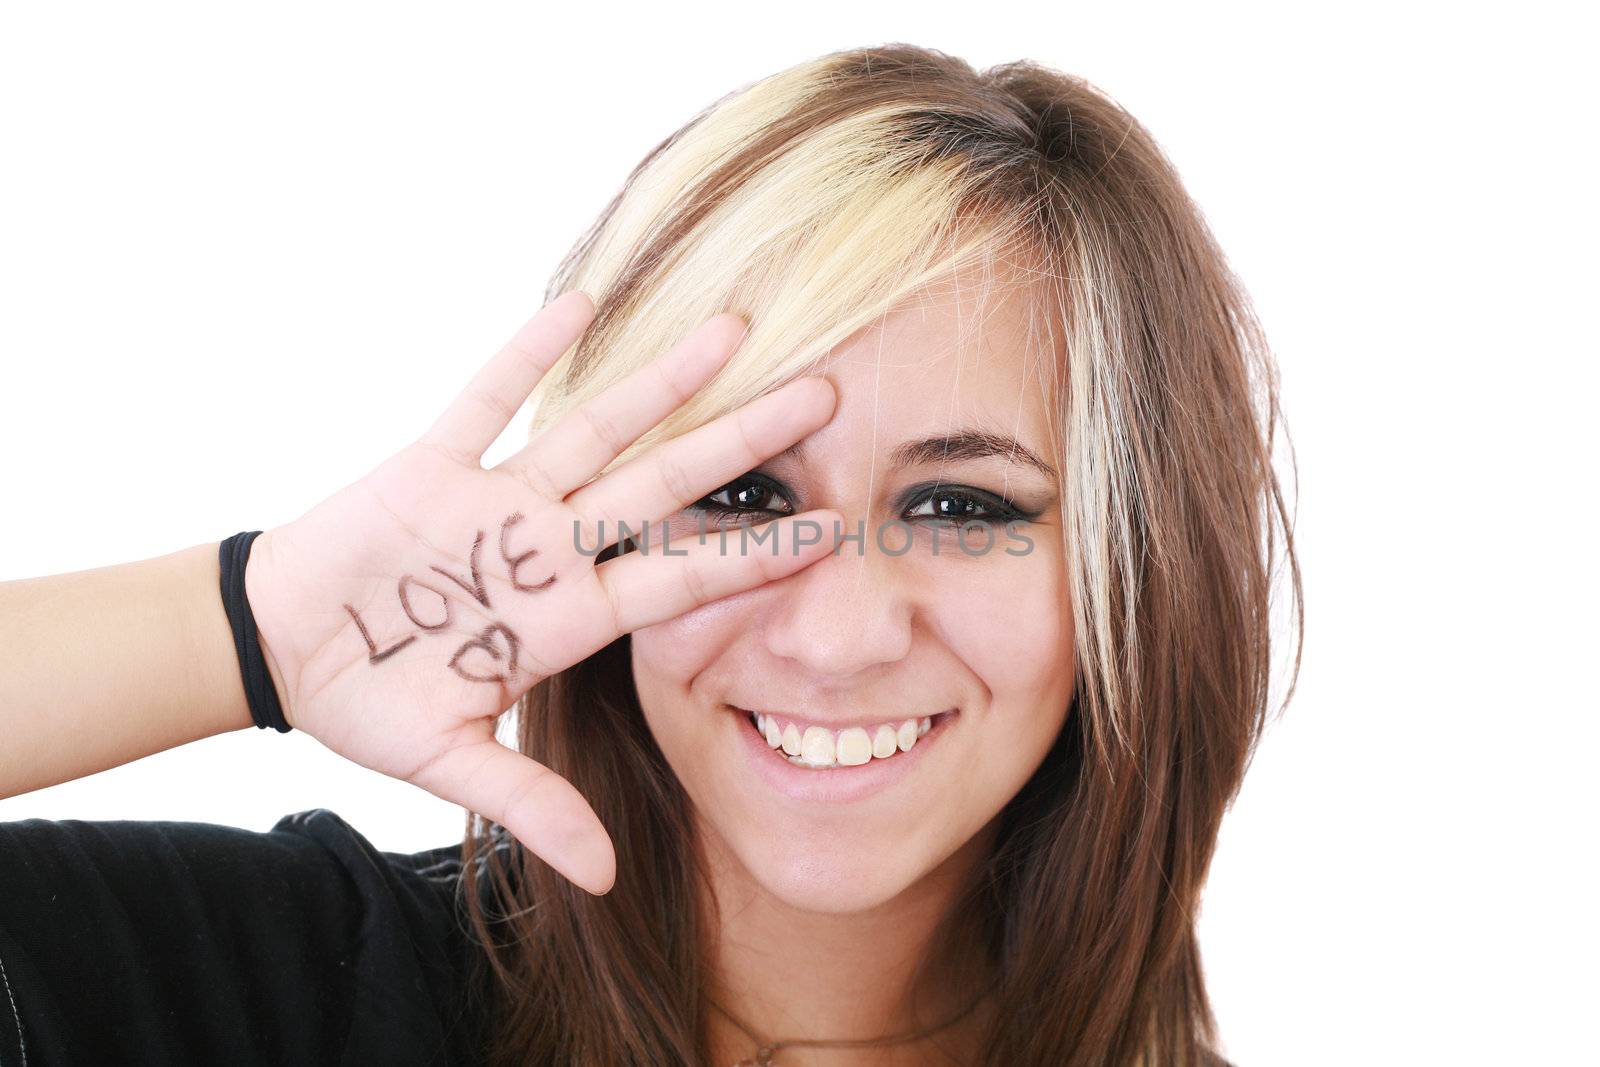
817, 746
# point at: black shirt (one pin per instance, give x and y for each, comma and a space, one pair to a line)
185, 942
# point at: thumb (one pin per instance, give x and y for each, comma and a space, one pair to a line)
540, 808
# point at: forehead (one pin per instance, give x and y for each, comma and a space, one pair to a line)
960, 353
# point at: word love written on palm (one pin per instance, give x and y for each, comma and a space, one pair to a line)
487, 640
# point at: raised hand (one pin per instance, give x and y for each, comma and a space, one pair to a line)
403, 615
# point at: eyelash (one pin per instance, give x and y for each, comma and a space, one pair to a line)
1000, 510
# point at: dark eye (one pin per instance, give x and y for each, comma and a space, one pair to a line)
747, 493
958, 506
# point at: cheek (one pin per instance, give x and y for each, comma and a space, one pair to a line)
1010, 626
669, 657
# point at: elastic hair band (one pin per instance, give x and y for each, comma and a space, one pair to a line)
265, 710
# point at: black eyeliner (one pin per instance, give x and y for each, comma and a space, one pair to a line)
753, 477
1000, 509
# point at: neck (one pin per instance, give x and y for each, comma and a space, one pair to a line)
786, 973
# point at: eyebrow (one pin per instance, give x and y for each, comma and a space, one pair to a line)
952, 448
967, 444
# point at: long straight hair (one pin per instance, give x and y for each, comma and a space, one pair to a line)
811, 202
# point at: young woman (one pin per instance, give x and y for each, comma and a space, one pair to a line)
882, 595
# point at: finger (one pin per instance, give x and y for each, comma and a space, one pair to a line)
585, 439
676, 473
494, 395
540, 808
647, 587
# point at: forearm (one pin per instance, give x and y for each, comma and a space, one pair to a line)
101, 667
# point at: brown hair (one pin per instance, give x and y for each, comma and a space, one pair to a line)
809, 202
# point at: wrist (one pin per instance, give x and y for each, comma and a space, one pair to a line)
261, 592
220, 698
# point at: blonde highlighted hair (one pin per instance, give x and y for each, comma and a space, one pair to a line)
812, 203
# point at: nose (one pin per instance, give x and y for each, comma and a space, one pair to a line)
842, 615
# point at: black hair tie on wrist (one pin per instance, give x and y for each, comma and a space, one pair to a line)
233, 554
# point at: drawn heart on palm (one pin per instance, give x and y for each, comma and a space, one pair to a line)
473, 660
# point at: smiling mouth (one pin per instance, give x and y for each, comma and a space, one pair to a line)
820, 748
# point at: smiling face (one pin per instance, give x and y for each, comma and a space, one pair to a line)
845, 659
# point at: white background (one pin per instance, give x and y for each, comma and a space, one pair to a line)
244, 256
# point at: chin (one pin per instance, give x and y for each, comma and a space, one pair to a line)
824, 874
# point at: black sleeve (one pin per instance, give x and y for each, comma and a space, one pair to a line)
185, 942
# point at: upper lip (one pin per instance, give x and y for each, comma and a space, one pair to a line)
835, 722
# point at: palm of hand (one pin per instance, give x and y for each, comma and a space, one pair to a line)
404, 614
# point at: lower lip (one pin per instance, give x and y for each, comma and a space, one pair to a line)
831, 785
